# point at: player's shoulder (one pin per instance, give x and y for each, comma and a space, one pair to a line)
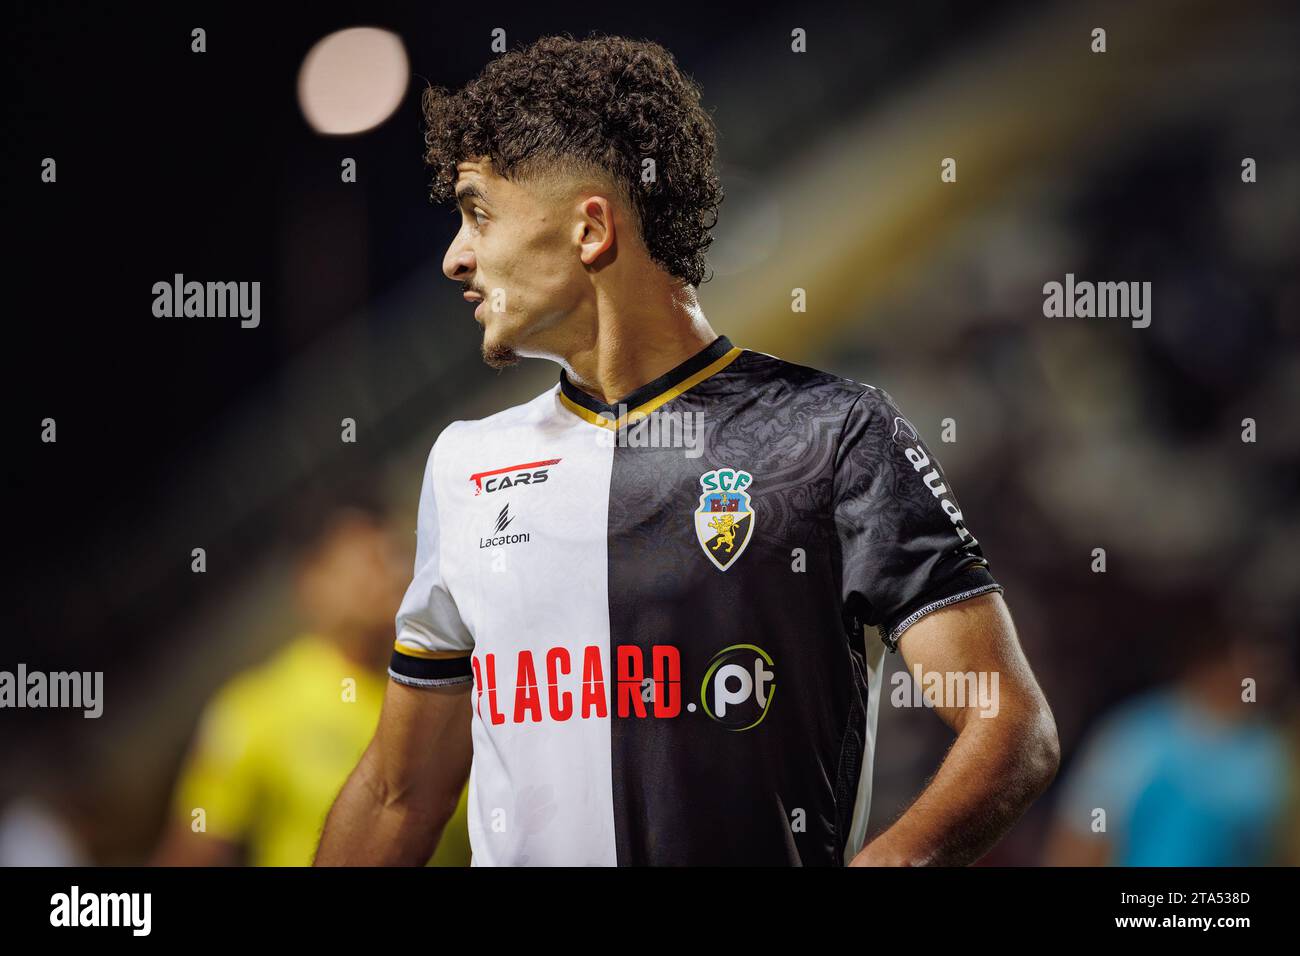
468, 436
805, 383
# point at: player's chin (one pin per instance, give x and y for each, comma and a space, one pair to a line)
498, 353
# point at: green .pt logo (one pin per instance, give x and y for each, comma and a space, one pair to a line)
738, 686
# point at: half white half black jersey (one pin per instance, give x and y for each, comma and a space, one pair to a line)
661, 607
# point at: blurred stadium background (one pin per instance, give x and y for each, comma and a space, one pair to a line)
1073, 434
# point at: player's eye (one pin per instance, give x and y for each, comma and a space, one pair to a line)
477, 213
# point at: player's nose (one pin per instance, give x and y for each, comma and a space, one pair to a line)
458, 263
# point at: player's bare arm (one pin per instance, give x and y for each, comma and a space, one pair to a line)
998, 764
403, 791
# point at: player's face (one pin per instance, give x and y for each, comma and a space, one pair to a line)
515, 258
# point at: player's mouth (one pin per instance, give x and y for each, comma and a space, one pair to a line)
475, 297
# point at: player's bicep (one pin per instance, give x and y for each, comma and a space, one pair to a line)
422, 747
970, 662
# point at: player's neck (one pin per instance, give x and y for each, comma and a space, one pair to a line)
621, 351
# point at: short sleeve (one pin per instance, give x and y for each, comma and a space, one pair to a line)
904, 545
433, 645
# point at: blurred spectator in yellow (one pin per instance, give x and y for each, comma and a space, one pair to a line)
277, 742
1188, 774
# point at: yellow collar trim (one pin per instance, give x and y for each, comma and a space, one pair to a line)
645, 408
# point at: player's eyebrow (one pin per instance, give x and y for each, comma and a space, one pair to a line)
471, 191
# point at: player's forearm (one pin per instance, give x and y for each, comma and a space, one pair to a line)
993, 772
373, 824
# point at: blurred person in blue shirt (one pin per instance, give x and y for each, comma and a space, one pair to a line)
1189, 774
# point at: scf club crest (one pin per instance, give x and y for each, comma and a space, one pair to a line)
724, 521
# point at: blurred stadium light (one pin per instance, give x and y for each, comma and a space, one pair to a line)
353, 80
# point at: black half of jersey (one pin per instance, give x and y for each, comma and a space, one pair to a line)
850, 522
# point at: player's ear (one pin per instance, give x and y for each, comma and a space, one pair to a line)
594, 230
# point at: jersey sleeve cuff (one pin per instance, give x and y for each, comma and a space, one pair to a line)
970, 583
440, 670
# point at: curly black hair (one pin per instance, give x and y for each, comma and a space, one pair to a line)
602, 105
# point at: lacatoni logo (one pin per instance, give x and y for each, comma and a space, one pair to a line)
499, 535
724, 520
529, 473
559, 684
